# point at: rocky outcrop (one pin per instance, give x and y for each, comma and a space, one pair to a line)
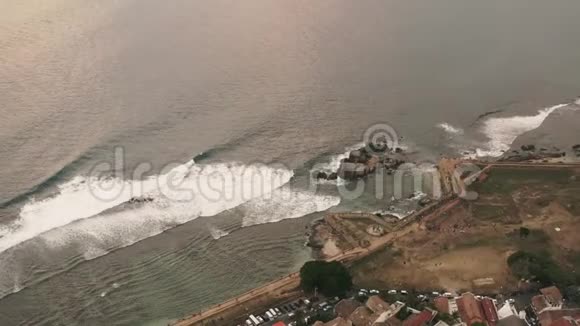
529, 153
362, 162
576, 149
528, 148
138, 200
351, 170
321, 175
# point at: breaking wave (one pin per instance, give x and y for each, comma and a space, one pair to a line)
450, 129
286, 204
80, 208
502, 132
216, 233
334, 162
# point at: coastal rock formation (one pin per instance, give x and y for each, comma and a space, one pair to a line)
528, 148
529, 153
138, 200
351, 171
362, 162
321, 175
576, 149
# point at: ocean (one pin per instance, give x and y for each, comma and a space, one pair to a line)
238, 102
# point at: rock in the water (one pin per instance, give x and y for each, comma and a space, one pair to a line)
354, 156
351, 171
321, 175
425, 201
136, 200
332, 176
379, 146
528, 148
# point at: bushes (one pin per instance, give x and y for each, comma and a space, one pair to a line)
539, 267
524, 232
329, 278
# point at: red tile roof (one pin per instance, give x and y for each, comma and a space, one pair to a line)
346, 307
549, 316
420, 319
470, 309
280, 323
553, 295
489, 311
442, 304
539, 302
564, 322
376, 304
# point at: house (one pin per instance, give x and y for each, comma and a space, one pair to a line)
489, 311
391, 321
346, 307
441, 323
361, 316
553, 296
548, 317
512, 320
470, 309
421, 319
280, 323
442, 305
565, 321
377, 305
507, 310
550, 299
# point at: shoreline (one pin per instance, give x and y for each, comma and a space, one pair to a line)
326, 244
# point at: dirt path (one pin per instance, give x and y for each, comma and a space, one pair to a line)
280, 286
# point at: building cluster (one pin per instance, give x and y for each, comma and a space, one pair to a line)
545, 309
377, 312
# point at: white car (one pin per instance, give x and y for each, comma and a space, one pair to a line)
392, 292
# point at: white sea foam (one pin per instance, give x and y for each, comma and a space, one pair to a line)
286, 203
334, 163
180, 195
503, 131
216, 233
450, 129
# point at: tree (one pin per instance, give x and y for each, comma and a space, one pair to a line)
329, 278
403, 314
524, 232
539, 267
